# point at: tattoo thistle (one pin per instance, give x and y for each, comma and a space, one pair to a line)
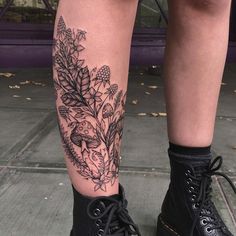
92, 109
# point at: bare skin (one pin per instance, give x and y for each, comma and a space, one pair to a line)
194, 63
90, 77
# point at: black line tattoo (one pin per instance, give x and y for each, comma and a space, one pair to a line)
91, 108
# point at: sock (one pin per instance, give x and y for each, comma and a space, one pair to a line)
191, 151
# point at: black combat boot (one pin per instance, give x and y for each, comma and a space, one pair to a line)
187, 209
102, 216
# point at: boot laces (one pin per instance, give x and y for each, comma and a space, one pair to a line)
114, 219
201, 179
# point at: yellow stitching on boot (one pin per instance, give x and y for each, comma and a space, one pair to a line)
167, 226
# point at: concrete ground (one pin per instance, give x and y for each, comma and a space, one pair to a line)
35, 192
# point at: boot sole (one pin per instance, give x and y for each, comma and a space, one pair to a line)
163, 229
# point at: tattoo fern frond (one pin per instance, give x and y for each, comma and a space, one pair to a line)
117, 100
61, 26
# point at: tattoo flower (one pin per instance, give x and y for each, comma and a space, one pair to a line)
93, 96
81, 34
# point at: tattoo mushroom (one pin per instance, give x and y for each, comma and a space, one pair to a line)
84, 135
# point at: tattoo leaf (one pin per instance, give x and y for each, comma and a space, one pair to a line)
96, 187
80, 48
77, 63
85, 172
103, 187
64, 112
69, 99
66, 81
69, 34
98, 133
103, 125
113, 180
100, 163
59, 61
57, 86
77, 109
83, 81
123, 100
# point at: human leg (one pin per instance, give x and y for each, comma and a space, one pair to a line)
194, 63
91, 55
91, 58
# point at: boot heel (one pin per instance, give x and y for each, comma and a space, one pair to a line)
163, 229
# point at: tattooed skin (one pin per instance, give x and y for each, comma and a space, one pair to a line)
90, 110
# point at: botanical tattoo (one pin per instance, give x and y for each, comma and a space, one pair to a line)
90, 110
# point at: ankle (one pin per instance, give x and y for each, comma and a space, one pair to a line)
190, 151
89, 190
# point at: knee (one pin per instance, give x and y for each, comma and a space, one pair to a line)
210, 6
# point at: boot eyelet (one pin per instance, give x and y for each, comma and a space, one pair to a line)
208, 230
100, 232
189, 180
97, 212
191, 189
203, 222
187, 173
193, 197
98, 222
195, 205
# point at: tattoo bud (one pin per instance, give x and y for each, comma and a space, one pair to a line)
112, 90
107, 111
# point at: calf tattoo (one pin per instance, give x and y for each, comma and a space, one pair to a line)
90, 110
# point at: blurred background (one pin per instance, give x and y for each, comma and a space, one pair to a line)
27, 25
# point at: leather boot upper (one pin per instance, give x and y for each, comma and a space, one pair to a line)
187, 206
102, 216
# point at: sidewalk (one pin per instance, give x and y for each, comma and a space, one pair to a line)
35, 192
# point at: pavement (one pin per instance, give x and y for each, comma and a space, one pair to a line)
35, 191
